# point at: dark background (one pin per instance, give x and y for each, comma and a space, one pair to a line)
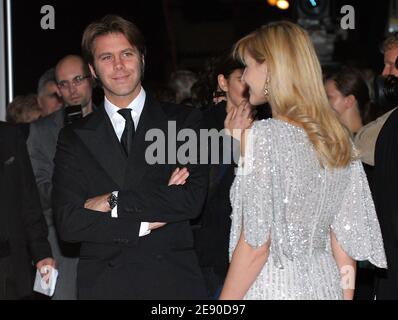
179, 34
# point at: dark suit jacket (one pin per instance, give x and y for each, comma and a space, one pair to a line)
385, 196
42, 143
114, 262
22, 225
212, 230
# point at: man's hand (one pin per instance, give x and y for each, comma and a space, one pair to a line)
45, 262
156, 225
179, 177
99, 203
239, 119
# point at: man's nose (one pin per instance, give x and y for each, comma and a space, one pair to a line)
118, 63
72, 88
386, 71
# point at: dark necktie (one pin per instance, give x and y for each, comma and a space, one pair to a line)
129, 130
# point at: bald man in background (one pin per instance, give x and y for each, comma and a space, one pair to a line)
75, 86
75, 83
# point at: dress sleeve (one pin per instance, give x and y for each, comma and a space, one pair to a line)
356, 225
257, 199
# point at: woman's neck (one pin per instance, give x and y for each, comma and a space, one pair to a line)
352, 120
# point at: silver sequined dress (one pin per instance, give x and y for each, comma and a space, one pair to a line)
282, 191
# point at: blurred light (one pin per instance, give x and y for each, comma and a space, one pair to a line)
10, 52
282, 4
272, 2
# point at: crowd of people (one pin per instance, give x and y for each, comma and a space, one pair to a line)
302, 189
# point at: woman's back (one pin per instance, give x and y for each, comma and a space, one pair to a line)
284, 193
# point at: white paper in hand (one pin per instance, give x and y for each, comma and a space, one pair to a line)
46, 284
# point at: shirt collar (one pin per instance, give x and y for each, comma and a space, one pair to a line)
137, 105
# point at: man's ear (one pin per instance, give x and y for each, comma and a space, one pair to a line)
142, 67
92, 70
222, 82
351, 101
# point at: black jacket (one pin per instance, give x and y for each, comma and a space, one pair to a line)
213, 228
114, 262
23, 230
385, 196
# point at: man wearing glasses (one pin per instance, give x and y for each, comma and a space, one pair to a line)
74, 83
75, 86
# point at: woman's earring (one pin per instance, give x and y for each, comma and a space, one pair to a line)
266, 89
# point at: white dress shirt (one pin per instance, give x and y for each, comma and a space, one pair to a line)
118, 123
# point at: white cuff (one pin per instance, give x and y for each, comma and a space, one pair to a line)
114, 210
144, 229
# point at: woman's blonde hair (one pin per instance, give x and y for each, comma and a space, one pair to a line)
296, 88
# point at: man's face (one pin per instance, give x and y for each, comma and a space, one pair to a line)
73, 83
389, 62
49, 99
118, 65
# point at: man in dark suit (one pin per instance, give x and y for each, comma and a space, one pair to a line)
385, 194
131, 217
75, 85
23, 230
378, 142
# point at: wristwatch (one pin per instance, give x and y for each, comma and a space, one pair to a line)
112, 200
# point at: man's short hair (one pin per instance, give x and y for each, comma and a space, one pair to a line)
390, 43
48, 76
107, 25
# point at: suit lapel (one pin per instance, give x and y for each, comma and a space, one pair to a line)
152, 117
100, 138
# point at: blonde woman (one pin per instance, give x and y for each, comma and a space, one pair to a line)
302, 209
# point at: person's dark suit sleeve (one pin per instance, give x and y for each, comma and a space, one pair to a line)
170, 203
70, 192
42, 167
33, 219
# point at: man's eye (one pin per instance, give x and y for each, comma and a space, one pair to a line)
104, 58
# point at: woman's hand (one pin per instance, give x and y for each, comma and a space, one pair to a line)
238, 120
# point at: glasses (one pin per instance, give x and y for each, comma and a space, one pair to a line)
77, 81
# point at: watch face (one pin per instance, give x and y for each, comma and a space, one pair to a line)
112, 201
